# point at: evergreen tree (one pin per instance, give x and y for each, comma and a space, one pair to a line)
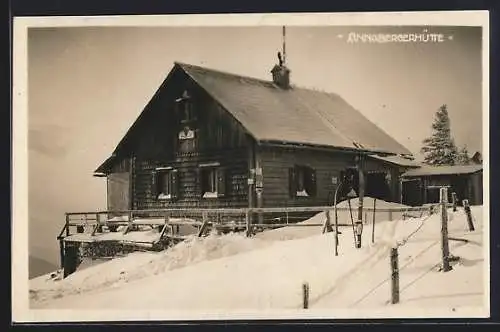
440, 148
463, 156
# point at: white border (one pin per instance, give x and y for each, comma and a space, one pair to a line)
20, 302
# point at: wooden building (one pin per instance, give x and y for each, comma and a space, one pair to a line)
213, 139
420, 185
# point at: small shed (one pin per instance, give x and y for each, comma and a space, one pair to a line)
421, 185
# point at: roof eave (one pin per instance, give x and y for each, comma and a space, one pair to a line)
439, 174
321, 146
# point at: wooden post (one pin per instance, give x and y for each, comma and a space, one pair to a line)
400, 190
443, 193
305, 295
468, 212
394, 276
352, 223
390, 215
248, 221
454, 201
164, 227
98, 227
70, 259
327, 226
361, 194
130, 220
67, 224
373, 220
61, 252
203, 225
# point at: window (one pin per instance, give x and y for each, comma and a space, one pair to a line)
187, 140
165, 184
302, 181
212, 181
185, 108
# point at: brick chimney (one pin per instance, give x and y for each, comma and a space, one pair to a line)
281, 74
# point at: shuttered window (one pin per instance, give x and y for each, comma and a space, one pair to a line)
302, 181
212, 182
165, 184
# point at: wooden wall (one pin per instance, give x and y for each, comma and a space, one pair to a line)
236, 169
327, 164
477, 188
218, 138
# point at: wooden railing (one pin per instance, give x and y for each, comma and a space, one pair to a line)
199, 217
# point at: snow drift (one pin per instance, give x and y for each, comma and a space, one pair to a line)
231, 272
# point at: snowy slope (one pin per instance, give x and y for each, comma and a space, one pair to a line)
232, 272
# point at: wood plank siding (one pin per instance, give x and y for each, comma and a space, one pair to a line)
215, 139
327, 167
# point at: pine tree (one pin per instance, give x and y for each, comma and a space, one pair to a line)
463, 156
440, 148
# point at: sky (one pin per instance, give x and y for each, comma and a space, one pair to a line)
87, 85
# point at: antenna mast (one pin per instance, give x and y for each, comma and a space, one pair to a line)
284, 45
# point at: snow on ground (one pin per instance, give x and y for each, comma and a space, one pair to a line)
233, 272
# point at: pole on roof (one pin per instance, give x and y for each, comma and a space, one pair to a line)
284, 45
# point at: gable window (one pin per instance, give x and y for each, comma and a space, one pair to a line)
212, 181
165, 183
185, 108
302, 181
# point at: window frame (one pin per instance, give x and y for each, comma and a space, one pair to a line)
212, 181
304, 181
185, 108
165, 178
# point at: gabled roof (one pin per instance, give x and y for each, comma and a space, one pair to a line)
443, 170
292, 116
295, 115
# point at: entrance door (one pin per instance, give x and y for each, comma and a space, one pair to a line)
119, 191
412, 192
377, 187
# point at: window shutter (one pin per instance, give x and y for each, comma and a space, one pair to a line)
312, 182
292, 181
174, 184
154, 184
221, 182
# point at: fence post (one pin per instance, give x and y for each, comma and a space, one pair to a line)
373, 220
98, 222
327, 227
443, 193
305, 295
454, 201
394, 276
248, 221
465, 202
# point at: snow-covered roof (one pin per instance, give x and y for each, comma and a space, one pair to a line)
398, 160
295, 116
443, 170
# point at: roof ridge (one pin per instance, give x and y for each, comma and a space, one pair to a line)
261, 80
222, 72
